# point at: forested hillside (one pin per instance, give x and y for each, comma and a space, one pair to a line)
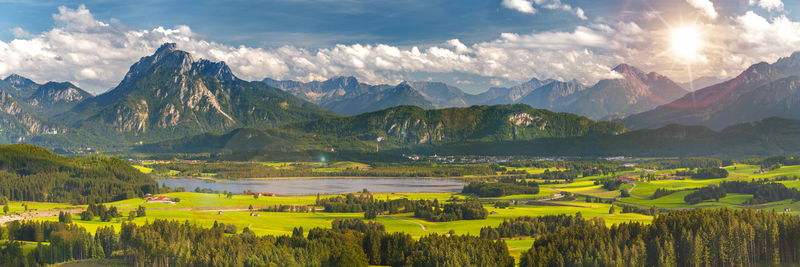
412, 125
30, 173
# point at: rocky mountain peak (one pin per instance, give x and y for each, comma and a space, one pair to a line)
789, 65
19, 81
345, 82
219, 70
629, 72
166, 58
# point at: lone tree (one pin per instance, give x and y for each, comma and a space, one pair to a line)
611, 210
140, 212
5, 209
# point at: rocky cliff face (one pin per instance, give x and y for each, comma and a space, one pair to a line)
17, 123
169, 94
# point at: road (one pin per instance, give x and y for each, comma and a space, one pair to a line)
35, 214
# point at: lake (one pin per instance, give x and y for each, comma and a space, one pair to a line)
323, 186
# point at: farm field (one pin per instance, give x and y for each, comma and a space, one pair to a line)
206, 209
279, 223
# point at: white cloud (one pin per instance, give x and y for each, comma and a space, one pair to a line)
97, 55
20, 33
524, 6
766, 39
557, 5
768, 4
705, 7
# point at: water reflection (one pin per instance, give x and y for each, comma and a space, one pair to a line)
323, 186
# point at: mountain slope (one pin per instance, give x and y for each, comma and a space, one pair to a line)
499, 95
553, 96
406, 125
635, 92
18, 123
402, 94
169, 95
54, 98
716, 106
325, 93
441, 94
768, 137
18, 87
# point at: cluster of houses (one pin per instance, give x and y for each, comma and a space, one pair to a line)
628, 179
260, 194
761, 171
153, 161
149, 198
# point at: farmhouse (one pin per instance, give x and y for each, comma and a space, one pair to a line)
159, 199
627, 179
260, 194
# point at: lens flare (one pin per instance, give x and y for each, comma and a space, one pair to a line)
686, 44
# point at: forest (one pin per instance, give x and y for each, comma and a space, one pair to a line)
171, 243
240, 170
503, 187
700, 237
30, 173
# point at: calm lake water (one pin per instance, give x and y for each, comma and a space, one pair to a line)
323, 186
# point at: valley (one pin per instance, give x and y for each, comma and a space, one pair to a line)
615, 191
400, 133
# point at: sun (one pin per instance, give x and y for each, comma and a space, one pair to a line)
687, 43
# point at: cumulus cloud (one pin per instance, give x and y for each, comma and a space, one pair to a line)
705, 7
768, 4
524, 6
766, 38
557, 5
97, 55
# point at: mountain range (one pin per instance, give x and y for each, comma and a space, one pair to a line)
401, 127
762, 90
634, 92
171, 100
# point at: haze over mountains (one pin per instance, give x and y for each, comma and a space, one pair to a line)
634, 92
763, 90
170, 98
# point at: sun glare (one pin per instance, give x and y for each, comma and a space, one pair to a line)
686, 44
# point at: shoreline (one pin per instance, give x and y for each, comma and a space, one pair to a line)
324, 177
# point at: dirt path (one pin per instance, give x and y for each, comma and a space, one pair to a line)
35, 214
417, 223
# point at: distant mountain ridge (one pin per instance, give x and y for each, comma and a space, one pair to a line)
635, 92
26, 107
762, 90
767, 137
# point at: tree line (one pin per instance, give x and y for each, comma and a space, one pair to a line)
31, 173
503, 187
170, 243
436, 212
700, 237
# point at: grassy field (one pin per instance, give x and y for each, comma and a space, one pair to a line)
531, 170
204, 209
16, 206
279, 223
143, 169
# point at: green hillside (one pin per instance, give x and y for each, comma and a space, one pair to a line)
30, 173
409, 125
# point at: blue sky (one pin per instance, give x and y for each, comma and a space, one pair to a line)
504, 42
